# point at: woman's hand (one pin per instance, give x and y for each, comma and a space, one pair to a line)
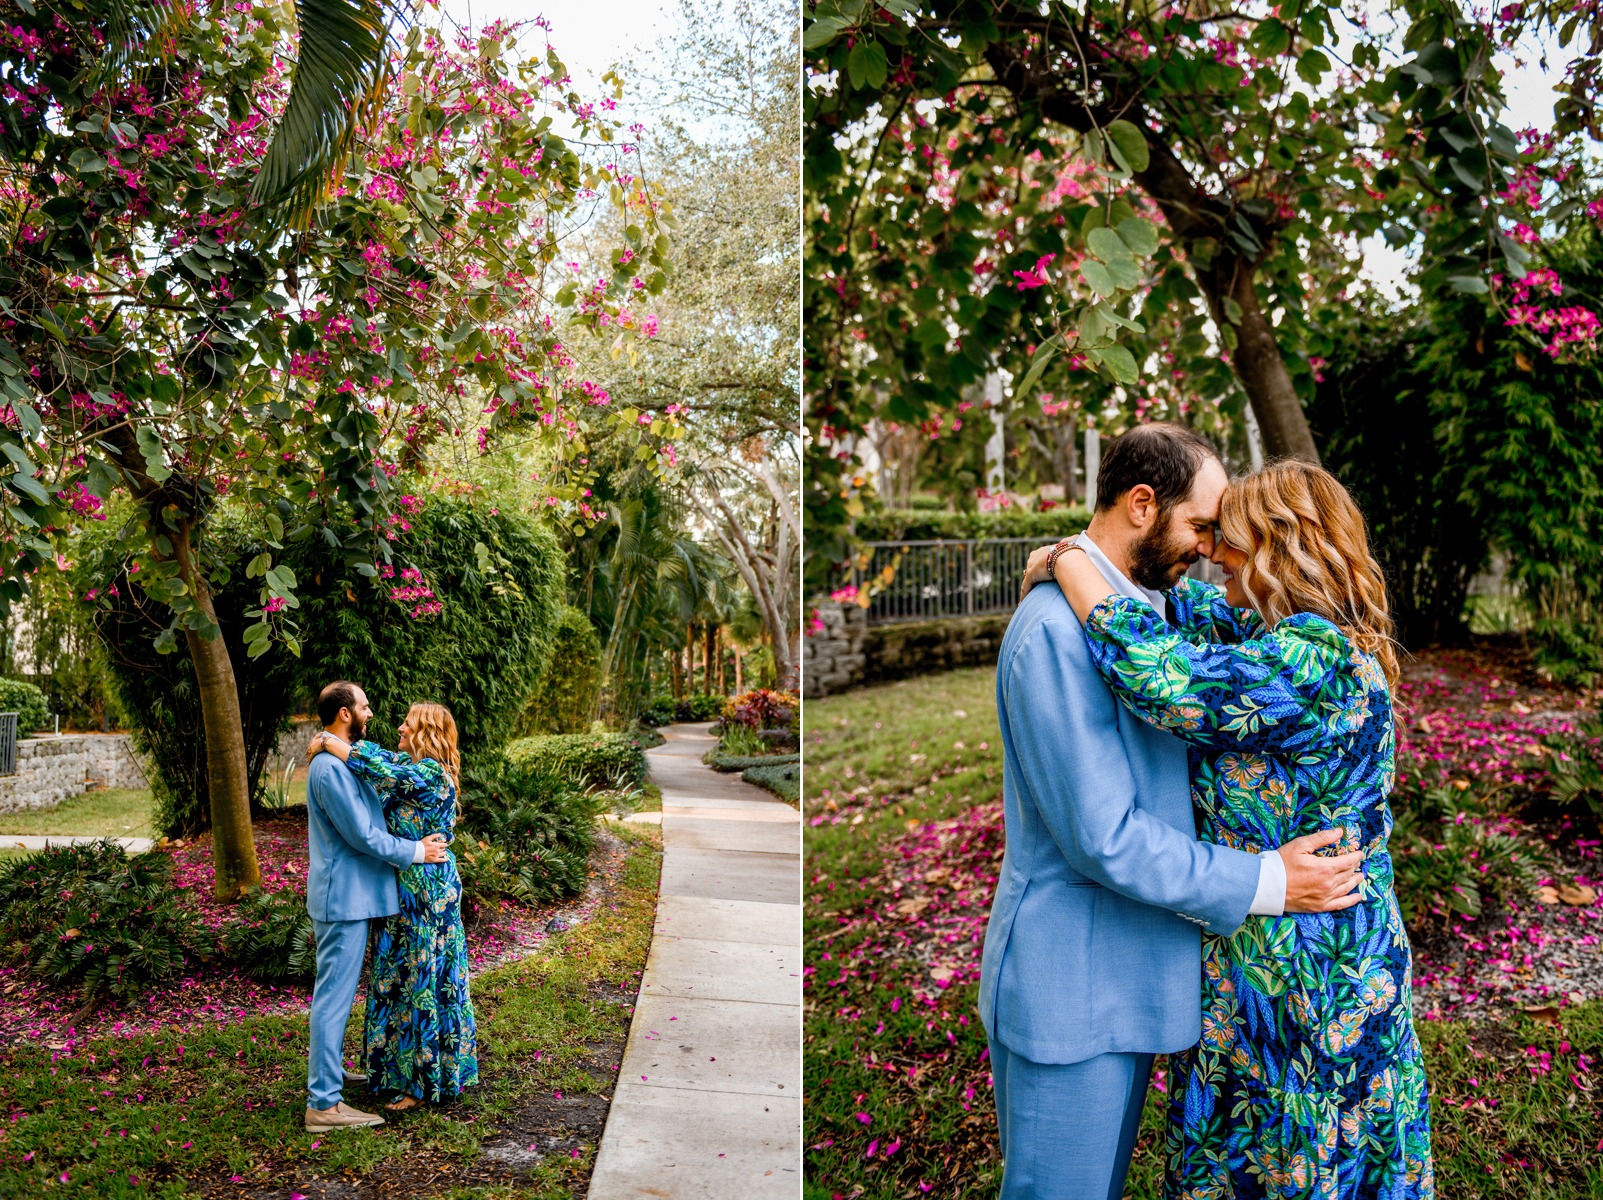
315, 747
1034, 571
326, 742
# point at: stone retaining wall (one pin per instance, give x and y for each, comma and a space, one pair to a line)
848, 652
51, 769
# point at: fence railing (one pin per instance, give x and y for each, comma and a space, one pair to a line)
940, 579
8, 743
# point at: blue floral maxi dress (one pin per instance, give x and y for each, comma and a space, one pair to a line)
1309, 1080
420, 1036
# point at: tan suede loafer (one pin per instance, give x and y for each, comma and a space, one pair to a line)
341, 1116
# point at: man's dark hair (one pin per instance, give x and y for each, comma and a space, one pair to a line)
334, 697
1164, 456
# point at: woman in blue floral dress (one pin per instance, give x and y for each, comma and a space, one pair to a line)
1309, 1080
420, 1037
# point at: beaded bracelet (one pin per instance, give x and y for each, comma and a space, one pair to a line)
1068, 543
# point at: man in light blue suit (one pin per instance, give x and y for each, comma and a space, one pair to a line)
1092, 959
350, 881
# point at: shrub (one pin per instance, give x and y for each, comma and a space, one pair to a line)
566, 699
1574, 766
661, 711
536, 826
27, 701
783, 781
740, 762
271, 938
89, 917
497, 577
762, 709
916, 524
1451, 854
702, 706
740, 740
583, 759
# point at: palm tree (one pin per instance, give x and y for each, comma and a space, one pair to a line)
338, 79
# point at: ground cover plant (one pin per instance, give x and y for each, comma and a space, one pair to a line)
215, 1105
904, 840
110, 812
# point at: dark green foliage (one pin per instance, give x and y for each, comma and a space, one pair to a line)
1450, 856
497, 577
784, 782
661, 711
27, 701
582, 759
158, 691
566, 699
536, 825
91, 918
271, 938
914, 525
483, 655
702, 706
1574, 766
740, 762
1376, 425
61, 654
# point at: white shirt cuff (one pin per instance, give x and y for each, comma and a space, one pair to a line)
418, 849
1271, 898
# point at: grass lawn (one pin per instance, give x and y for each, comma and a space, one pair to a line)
110, 812
898, 1099
219, 1108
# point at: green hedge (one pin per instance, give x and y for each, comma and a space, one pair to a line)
741, 762
482, 655
27, 701
915, 525
601, 759
566, 699
784, 782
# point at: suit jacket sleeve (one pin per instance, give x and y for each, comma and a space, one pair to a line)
1064, 728
351, 818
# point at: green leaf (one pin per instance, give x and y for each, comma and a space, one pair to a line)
29, 487
258, 565
1093, 327
1311, 66
1097, 278
1107, 245
1120, 363
1126, 275
1271, 39
1233, 312
1128, 146
866, 66
1470, 285
823, 31
1038, 363
1474, 179
1139, 235
86, 162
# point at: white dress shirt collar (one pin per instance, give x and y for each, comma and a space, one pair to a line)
1119, 581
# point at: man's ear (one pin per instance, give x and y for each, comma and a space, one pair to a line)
1140, 505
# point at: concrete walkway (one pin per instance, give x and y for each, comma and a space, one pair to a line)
29, 841
708, 1102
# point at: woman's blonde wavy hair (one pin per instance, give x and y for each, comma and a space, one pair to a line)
1308, 551
434, 736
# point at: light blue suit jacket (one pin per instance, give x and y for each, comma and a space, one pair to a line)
1094, 943
353, 856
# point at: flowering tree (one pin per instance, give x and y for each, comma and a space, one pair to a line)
1136, 193
157, 339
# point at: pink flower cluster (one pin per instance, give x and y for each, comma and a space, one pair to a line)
412, 590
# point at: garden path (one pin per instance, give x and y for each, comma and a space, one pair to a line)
708, 1102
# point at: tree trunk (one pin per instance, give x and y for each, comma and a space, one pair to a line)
234, 863
709, 650
1257, 360
740, 687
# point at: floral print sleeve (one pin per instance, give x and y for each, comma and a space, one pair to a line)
1282, 692
389, 772
1199, 611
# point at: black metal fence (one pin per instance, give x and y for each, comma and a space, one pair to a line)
8, 743
937, 579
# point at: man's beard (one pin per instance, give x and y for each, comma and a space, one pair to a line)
358, 729
1158, 560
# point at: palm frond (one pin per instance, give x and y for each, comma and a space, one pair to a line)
337, 83
130, 27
